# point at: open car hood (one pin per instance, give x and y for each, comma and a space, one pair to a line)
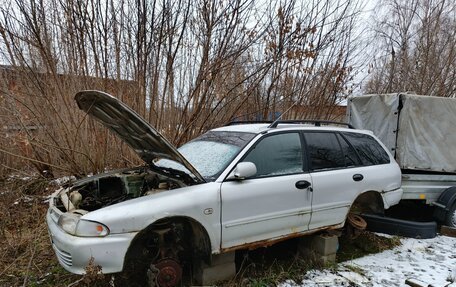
149, 144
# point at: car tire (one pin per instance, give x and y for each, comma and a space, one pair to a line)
450, 219
406, 228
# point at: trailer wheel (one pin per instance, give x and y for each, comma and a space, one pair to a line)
451, 216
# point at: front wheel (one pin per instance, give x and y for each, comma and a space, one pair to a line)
171, 255
450, 219
160, 257
164, 273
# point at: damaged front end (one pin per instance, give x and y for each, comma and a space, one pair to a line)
76, 238
107, 189
83, 218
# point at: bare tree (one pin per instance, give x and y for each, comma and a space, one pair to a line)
185, 66
418, 48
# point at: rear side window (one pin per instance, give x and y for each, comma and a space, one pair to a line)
278, 154
351, 158
369, 150
325, 151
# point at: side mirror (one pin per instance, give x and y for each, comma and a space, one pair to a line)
243, 170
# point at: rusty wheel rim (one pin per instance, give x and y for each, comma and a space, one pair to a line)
357, 221
169, 273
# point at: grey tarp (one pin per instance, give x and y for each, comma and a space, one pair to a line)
425, 127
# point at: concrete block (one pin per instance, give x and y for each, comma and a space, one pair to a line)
223, 267
320, 259
319, 244
209, 275
327, 259
223, 258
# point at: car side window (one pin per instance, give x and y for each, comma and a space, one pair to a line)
278, 154
368, 149
325, 151
350, 155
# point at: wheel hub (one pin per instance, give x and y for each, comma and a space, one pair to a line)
169, 273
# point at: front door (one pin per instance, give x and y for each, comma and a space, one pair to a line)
276, 202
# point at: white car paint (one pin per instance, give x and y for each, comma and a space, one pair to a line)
264, 208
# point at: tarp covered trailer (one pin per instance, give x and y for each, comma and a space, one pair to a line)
421, 133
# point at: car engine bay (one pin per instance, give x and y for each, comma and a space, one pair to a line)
108, 189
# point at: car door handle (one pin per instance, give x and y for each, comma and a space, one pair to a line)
302, 184
358, 177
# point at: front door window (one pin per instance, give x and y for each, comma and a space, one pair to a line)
279, 154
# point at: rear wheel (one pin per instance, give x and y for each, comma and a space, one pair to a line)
369, 202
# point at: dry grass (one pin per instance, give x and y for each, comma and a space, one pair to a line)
26, 255
365, 243
269, 266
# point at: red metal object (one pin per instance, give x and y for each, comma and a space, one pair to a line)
169, 273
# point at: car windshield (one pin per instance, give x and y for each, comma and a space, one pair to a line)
210, 153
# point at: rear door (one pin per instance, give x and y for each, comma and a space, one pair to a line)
378, 172
335, 169
274, 203
344, 165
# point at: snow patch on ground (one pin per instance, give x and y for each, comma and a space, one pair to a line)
432, 261
63, 180
13, 177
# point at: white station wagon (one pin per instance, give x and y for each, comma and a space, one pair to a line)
238, 186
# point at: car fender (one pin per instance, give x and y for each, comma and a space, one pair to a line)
200, 202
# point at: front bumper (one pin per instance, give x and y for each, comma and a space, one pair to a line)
392, 197
74, 253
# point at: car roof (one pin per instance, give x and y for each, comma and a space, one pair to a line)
257, 128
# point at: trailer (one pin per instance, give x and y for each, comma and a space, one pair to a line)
420, 132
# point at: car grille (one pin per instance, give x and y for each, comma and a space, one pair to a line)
63, 256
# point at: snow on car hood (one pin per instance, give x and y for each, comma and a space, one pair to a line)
148, 143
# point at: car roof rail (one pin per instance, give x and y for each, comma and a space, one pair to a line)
233, 123
317, 123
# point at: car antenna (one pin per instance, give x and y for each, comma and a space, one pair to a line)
276, 122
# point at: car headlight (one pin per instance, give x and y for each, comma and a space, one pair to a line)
91, 228
72, 224
68, 222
